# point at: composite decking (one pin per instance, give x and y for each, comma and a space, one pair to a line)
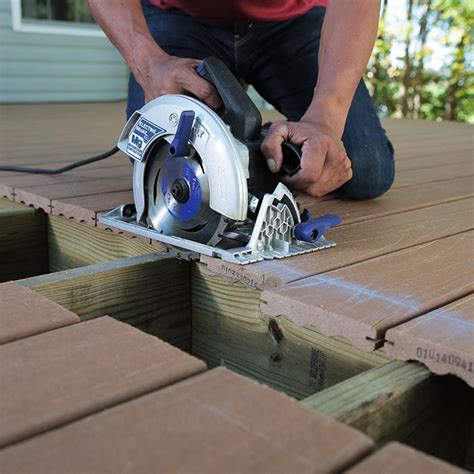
398, 285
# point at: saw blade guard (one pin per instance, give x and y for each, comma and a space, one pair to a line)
224, 158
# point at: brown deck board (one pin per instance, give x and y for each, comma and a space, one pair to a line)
442, 339
56, 377
360, 302
395, 201
24, 313
396, 458
356, 242
214, 422
42, 196
87, 208
426, 175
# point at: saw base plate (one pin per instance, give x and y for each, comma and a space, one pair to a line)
123, 218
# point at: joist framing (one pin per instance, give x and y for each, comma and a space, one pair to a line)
96, 272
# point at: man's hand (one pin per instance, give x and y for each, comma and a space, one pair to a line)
163, 74
324, 163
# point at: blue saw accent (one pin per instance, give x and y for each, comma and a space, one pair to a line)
186, 210
311, 230
180, 144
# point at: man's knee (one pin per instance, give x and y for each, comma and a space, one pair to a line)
373, 171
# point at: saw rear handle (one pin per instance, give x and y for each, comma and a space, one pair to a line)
241, 114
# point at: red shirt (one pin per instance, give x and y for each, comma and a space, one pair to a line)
241, 10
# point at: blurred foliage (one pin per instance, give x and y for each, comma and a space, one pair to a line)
422, 66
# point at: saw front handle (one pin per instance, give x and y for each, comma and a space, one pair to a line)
241, 114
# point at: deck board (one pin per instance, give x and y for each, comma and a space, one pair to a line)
395, 458
442, 339
24, 313
360, 302
56, 377
214, 422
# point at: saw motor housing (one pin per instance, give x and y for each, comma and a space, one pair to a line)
201, 183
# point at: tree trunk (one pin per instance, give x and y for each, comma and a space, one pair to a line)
407, 74
377, 57
450, 112
419, 71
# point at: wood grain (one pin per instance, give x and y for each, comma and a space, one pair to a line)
229, 329
387, 402
150, 292
23, 243
73, 245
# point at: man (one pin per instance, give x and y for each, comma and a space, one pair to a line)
304, 57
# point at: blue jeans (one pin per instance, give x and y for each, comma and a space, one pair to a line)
280, 60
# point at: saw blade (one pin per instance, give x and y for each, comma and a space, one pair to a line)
178, 198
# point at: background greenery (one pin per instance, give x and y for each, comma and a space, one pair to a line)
422, 64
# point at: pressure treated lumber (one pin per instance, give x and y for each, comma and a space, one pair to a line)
214, 422
24, 313
150, 292
59, 376
72, 245
362, 301
230, 330
442, 339
356, 242
6, 203
387, 402
23, 243
395, 458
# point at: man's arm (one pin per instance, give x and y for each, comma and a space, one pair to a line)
347, 39
157, 72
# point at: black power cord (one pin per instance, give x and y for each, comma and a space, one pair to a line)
86, 161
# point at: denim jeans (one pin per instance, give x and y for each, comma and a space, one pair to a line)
280, 60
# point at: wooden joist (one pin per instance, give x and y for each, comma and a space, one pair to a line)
150, 292
23, 243
229, 329
387, 402
73, 245
401, 401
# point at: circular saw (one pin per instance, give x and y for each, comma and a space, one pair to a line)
201, 184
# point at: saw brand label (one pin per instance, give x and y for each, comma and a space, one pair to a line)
140, 135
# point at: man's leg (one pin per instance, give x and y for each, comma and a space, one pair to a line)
184, 36
282, 66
